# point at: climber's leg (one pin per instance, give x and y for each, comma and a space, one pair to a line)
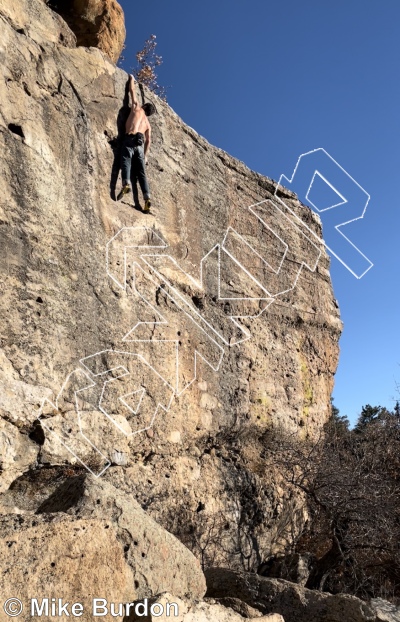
134, 181
140, 169
126, 159
126, 165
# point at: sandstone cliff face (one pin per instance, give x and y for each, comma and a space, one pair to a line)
84, 332
95, 23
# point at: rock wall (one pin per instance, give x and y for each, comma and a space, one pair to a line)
95, 23
204, 387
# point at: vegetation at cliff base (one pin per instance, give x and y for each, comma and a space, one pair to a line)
351, 483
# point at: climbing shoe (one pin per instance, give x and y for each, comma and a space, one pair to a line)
147, 206
125, 190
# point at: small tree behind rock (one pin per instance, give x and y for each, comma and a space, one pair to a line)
148, 62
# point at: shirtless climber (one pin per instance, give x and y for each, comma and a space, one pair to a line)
136, 146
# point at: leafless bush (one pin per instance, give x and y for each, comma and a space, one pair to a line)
148, 62
351, 483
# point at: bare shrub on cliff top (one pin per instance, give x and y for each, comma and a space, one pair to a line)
148, 63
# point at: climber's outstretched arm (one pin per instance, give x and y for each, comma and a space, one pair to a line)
132, 91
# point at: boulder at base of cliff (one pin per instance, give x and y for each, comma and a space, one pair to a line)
294, 602
89, 539
64, 557
166, 607
385, 611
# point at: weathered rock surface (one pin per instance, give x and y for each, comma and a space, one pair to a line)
293, 602
95, 23
30, 21
60, 556
209, 611
17, 452
154, 559
68, 317
385, 611
237, 605
294, 568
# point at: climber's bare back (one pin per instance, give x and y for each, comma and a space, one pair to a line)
137, 121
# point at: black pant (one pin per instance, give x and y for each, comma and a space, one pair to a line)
133, 164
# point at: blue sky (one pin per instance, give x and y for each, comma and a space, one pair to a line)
268, 80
